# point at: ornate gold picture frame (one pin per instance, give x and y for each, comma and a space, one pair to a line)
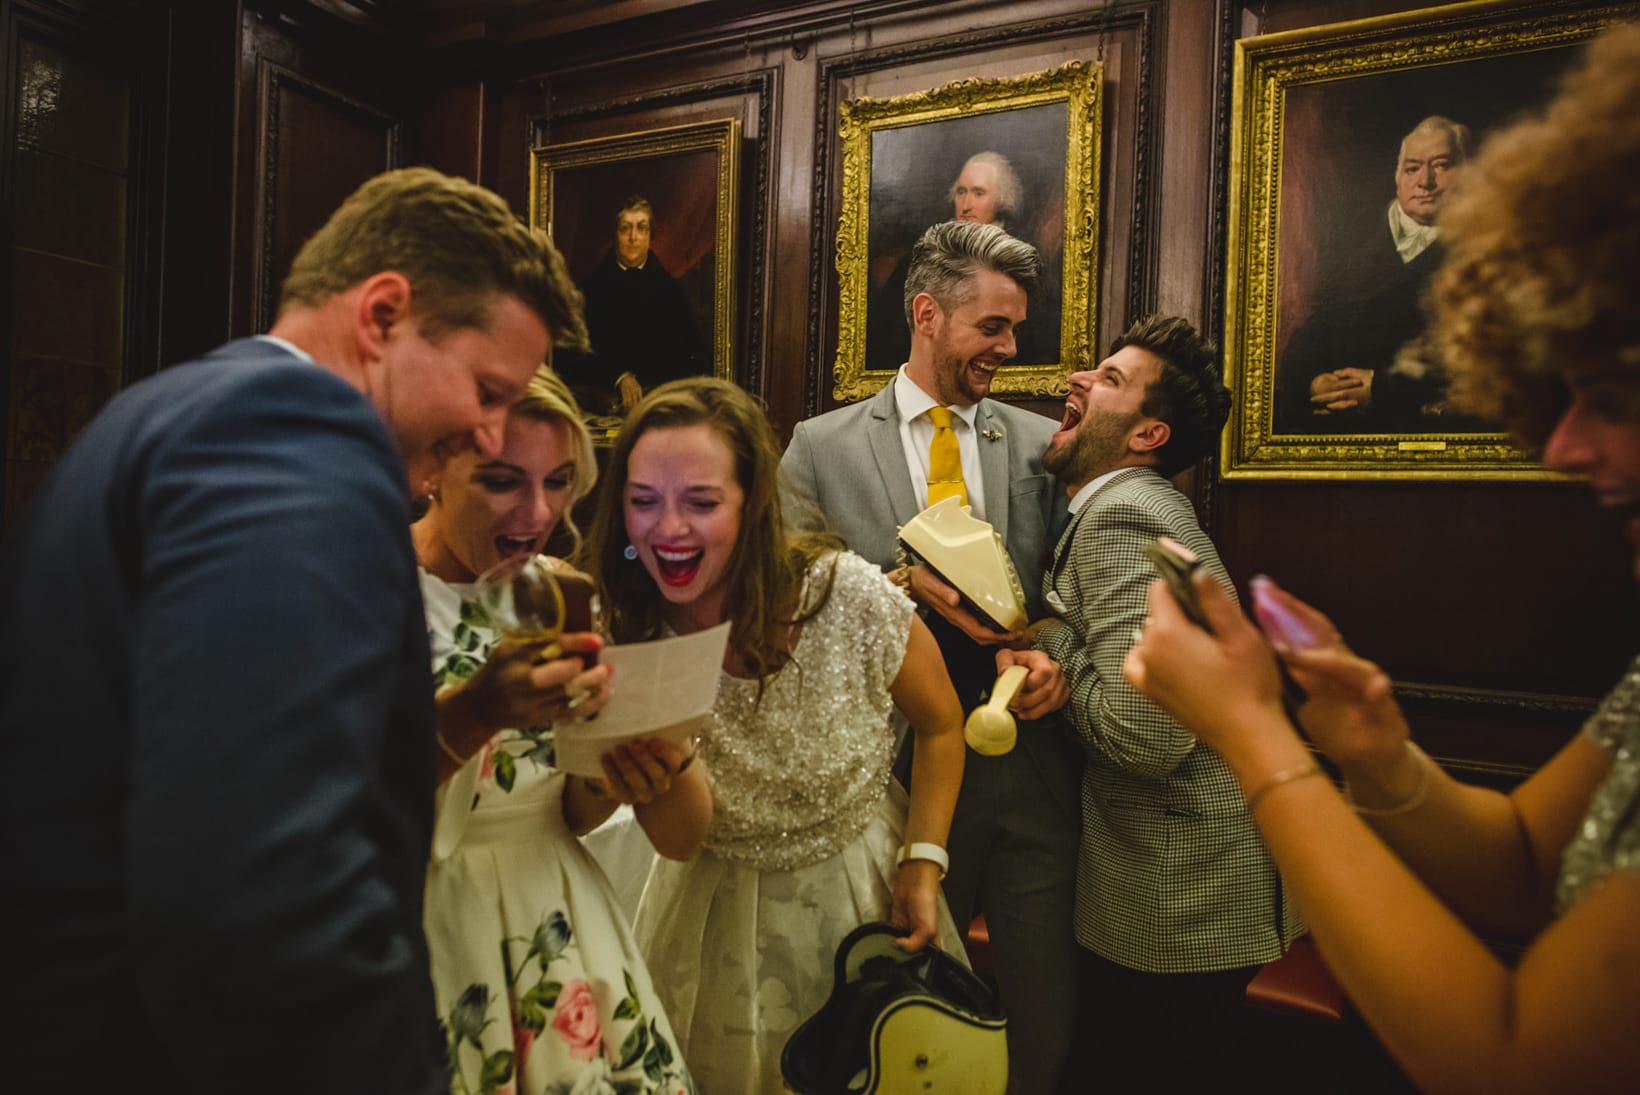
1039, 136
1344, 141
690, 177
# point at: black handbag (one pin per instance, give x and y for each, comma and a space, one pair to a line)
897, 1024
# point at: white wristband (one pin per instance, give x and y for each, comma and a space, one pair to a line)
922, 850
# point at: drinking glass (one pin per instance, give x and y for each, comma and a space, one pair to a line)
534, 599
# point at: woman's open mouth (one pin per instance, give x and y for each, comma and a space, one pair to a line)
677, 566
508, 546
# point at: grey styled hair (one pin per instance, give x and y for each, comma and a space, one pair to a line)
1457, 132
944, 261
1010, 191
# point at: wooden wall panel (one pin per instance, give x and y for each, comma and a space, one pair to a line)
320, 110
1500, 609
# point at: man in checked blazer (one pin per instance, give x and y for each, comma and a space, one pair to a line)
1013, 836
1177, 901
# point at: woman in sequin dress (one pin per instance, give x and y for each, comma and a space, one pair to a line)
807, 824
1538, 321
540, 984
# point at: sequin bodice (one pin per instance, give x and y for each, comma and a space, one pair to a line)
1610, 834
797, 775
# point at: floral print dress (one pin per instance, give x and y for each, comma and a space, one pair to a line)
540, 986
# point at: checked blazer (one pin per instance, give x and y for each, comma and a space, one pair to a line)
1172, 876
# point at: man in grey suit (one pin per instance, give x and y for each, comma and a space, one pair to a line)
866, 467
1177, 901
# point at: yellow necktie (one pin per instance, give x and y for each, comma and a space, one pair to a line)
944, 460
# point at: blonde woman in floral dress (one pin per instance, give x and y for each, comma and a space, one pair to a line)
540, 985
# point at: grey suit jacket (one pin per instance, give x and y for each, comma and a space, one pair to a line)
850, 463
1172, 876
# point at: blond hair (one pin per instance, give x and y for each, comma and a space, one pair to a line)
548, 399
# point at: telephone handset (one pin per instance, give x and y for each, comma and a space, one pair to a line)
967, 555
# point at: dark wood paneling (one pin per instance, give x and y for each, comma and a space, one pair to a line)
83, 127
199, 180
321, 109
317, 146
1501, 609
1480, 599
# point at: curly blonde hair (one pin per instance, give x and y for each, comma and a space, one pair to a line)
1542, 237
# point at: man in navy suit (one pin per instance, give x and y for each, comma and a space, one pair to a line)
213, 672
866, 468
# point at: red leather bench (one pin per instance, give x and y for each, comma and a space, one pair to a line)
1299, 983
978, 942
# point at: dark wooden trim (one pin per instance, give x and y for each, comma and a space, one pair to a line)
1206, 486
273, 79
1476, 700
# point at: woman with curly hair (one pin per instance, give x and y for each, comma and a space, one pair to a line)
810, 836
1537, 317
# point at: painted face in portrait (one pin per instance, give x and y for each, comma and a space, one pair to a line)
493, 508
971, 342
451, 396
1423, 178
1102, 416
975, 194
632, 237
1598, 439
683, 506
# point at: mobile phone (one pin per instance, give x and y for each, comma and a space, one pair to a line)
1177, 566
1276, 621
1280, 625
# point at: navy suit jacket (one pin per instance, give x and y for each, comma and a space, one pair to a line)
217, 712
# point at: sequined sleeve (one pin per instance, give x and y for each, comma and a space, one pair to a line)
1609, 837
1618, 713
883, 614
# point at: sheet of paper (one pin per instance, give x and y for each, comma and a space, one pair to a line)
664, 689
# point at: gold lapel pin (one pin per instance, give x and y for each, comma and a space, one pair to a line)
991, 435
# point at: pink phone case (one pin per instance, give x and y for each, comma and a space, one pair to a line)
1277, 621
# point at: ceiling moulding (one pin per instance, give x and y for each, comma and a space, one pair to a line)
670, 26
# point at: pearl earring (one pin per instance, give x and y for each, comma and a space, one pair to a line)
630, 552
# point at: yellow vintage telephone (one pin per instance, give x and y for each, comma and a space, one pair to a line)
967, 555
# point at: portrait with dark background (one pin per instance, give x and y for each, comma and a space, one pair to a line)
681, 187
912, 169
1341, 143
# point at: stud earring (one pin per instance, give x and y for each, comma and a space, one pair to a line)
630, 552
